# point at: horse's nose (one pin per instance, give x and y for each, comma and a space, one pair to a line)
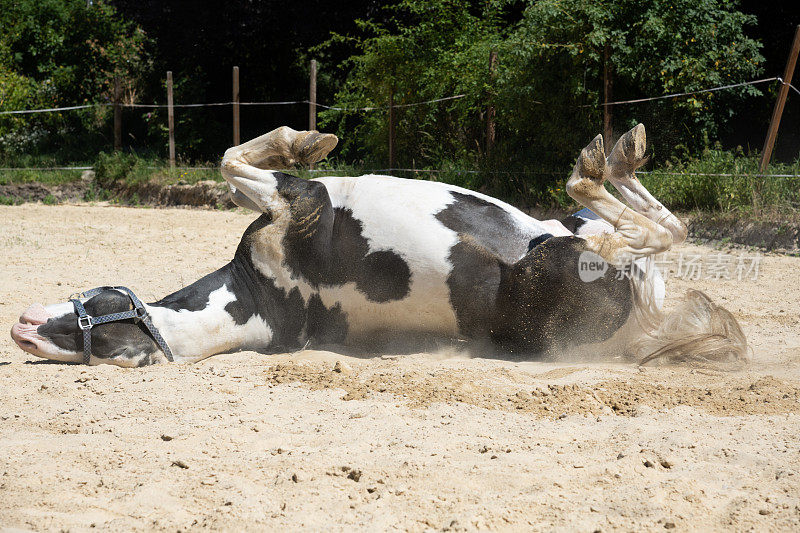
34, 315
25, 336
16, 332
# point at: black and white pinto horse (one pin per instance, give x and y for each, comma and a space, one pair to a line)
348, 260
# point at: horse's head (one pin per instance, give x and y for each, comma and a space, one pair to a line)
55, 331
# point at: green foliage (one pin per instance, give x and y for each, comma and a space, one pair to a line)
429, 49
53, 177
95, 193
56, 53
547, 89
163, 174
724, 180
117, 169
654, 48
8, 200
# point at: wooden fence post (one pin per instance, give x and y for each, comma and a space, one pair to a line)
772, 132
312, 97
490, 130
171, 119
608, 112
312, 100
236, 136
117, 114
391, 130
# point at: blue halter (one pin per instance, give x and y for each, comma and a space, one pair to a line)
86, 322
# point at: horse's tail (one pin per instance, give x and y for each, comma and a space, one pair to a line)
696, 331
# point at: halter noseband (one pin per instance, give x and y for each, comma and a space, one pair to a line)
86, 322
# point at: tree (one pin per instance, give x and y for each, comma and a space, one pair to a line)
426, 49
655, 48
548, 87
58, 53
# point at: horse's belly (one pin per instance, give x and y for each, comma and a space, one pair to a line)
425, 309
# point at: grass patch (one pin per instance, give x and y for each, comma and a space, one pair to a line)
727, 181
118, 169
9, 200
185, 175
50, 177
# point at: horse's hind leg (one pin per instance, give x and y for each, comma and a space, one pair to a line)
621, 164
634, 235
710, 334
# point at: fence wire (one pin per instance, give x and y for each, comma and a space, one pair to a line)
398, 106
217, 104
381, 107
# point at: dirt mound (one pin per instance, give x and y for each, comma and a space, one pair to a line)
768, 234
201, 194
73, 191
420, 388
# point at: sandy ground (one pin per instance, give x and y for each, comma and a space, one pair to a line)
411, 442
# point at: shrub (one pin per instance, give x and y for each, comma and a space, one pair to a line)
119, 169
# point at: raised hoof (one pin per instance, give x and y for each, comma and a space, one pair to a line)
589, 172
628, 153
313, 146
592, 161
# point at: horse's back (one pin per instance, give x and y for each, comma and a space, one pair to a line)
426, 219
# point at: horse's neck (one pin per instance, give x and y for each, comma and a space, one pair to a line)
212, 315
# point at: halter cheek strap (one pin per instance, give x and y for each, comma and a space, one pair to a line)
86, 322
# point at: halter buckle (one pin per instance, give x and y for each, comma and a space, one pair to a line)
85, 322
